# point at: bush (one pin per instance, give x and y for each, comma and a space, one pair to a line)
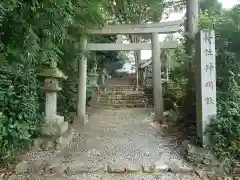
177, 94
225, 130
67, 99
19, 106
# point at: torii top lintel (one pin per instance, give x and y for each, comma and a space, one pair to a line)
163, 27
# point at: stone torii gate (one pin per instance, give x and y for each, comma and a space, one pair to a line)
155, 46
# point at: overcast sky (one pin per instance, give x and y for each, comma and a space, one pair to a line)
225, 3
228, 3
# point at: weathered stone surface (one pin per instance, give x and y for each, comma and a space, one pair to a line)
2, 175
210, 174
148, 168
48, 144
35, 166
13, 177
54, 129
53, 72
116, 168
58, 168
22, 167
186, 144
94, 152
200, 173
219, 171
80, 122
75, 168
177, 166
54, 119
44, 143
132, 167
37, 143
65, 139
78, 167
206, 161
199, 155
161, 166
236, 170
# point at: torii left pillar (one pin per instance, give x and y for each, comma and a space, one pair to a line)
157, 80
82, 84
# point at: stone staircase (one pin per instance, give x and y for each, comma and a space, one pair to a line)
120, 92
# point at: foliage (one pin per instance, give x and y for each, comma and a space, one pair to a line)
114, 65
225, 129
19, 105
33, 33
212, 7
179, 65
135, 11
69, 65
30, 34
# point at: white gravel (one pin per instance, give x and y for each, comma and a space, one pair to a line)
124, 135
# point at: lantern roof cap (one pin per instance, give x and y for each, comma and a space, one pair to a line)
53, 72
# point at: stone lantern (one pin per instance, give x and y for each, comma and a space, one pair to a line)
104, 75
54, 125
149, 78
93, 78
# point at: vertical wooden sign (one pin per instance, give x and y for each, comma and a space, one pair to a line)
206, 83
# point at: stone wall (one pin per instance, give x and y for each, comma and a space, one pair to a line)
204, 159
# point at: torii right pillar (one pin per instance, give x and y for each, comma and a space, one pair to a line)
157, 80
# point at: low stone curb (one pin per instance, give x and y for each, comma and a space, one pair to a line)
61, 169
78, 167
157, 167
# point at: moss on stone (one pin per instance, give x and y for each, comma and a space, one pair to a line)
53, 72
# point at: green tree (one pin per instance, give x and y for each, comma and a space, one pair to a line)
211, 6
225, 129
32, 34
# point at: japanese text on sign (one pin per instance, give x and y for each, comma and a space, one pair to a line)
206, 90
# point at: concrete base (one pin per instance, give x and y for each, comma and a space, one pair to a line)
54, 119
54, 143
50, 129
80, 121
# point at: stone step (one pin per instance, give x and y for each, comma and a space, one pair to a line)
121, 101
122, 89
104, 105
129, 93
126, 86
123, 79
123, 97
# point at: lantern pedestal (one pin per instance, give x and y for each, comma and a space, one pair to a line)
149, 81
93, 78
55, 131
54, 126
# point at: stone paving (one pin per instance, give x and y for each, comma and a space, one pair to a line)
113, 143
100, 176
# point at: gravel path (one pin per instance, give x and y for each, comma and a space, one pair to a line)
122, 135
166, 176
117, 136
